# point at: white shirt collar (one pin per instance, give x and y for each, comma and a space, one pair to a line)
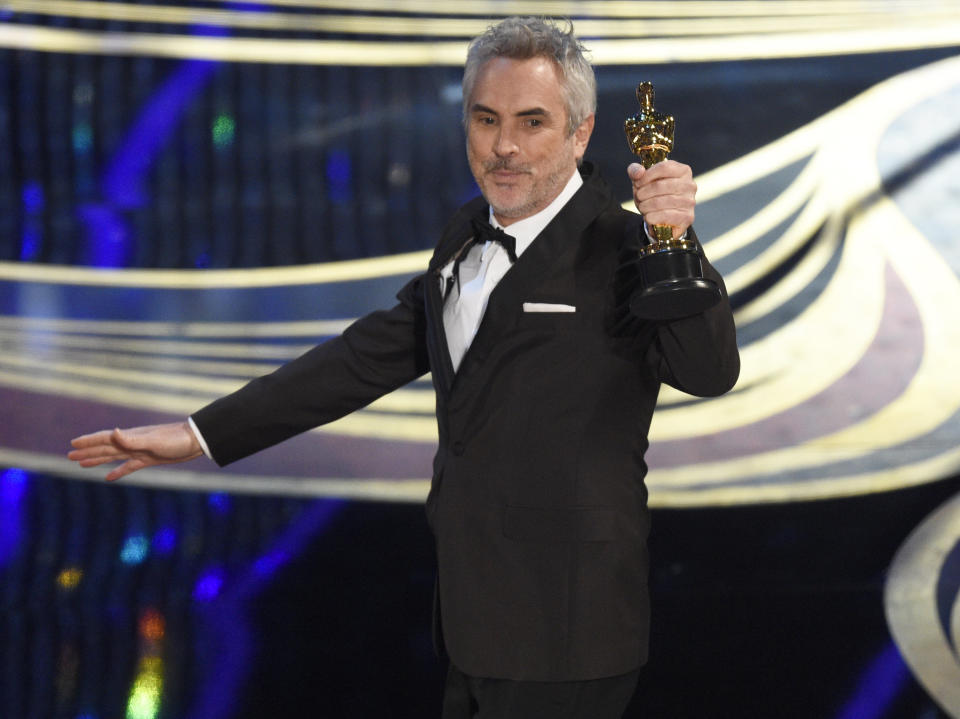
525, 231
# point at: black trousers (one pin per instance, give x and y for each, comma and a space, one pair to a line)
467, 697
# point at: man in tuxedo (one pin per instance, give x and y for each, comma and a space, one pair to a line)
545, 390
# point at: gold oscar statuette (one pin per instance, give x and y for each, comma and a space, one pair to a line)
669, 271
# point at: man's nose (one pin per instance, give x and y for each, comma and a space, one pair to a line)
505, 145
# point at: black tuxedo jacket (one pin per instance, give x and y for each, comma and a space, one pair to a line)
538, 503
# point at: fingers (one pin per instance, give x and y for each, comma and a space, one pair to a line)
124, 469
97, 460
104, 447
92, 440
668, 169
635, 171
136, 448
127, 439
665, 194
660, 211
139, 439
665, 179
97, 448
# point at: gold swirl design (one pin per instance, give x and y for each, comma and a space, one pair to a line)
617, 32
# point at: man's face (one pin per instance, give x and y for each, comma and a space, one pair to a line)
517, 143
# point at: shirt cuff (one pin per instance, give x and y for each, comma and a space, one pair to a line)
200, 439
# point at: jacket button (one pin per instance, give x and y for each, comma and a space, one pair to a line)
458, 448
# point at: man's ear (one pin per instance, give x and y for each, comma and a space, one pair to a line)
581, 137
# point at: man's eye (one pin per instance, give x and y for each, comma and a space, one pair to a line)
485, 120
534, 122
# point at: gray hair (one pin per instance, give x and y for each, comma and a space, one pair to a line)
522, 38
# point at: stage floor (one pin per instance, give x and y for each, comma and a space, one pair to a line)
189, 604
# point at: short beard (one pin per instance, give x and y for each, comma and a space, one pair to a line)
553, 182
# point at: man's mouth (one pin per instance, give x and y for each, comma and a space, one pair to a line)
502, 169
507, 173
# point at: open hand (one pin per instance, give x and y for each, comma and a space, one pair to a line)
137, 447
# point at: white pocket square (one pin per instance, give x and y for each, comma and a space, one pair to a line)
547, 307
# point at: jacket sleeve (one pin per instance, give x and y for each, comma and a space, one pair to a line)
375, 355
698, 354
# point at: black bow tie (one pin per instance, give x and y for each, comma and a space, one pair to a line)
484, 232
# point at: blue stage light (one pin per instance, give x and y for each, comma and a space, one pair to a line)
266, 565
135, 549
13, 489
33, 200
14, 475
209, 585
32, 197
29, 244
219, 502
879, 686
339, 172
164, 540
82, 137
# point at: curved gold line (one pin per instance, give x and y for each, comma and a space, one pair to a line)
955, 627
769, 260
205, 367
798, 279
298, 22
305, 328
187, 366
665, 493
910, 604
852, 139
381, 54
807, 187
773, 46
764, 161
933, 287
230, 350
793, 197
234, 49
91, 354
604, 8
453, 26
783, 376
766, 357
346, 271
24, 368
401, 401
845, 318
415, 490
931, 292
390, 490
758, 377
364, 423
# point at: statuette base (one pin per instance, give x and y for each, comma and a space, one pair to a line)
671, 285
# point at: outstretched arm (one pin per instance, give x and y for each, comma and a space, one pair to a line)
375, 355
137, 447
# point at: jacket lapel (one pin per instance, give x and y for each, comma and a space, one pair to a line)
548, 259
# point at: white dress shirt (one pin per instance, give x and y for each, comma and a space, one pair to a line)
483, 267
